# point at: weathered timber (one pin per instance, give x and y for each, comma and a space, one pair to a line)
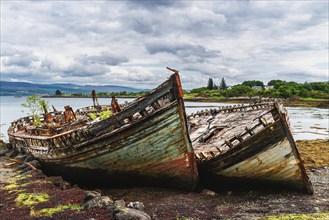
146, 142
255, 145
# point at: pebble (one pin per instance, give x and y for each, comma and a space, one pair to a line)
91, 195
124, 213
208, 192
136, 205
3, 151
11, 153
98, 202
120, 203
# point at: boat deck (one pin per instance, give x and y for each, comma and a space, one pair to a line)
215, 132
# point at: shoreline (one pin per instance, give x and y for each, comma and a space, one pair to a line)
294, 103
289, 103
166, 203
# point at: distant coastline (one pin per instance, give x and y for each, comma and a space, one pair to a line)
85, 96
291, 103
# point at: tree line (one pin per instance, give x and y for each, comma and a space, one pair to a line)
273, 89
250, 88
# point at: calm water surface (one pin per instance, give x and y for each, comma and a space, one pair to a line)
306, 123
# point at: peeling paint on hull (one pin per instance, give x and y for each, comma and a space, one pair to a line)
269, 155
152, 148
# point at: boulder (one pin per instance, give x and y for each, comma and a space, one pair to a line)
21, 157
35, 163
26, 169
3, 151
59, 182
208, 192
2, 143
124, 213
91, 195
9, 146
11, 153
121, 212
28, 158
136, 205
120, 203
98, 202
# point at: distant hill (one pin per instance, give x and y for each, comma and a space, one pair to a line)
23, 89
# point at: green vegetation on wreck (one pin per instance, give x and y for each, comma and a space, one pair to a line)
36, 106
103, 115
312, 216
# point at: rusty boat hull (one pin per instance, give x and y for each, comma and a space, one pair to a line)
146, 143
257, 147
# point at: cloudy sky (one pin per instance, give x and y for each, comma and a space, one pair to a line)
130, 43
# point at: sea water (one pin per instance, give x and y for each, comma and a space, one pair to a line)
306, 123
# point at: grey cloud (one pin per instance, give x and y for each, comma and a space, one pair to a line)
181, 49
80, 70
294, 74
9, 52
105, 58
203, 39
79, 73
214, 71
299, 76
151, 4
22, 61
290, 48
154, 20
46, 63
15, 74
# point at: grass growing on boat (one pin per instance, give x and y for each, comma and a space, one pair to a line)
105, 114
29, 199
51, 211
312, 216
92, 116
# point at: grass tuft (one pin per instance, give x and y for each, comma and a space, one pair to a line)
312, 216
50, 211
29, 199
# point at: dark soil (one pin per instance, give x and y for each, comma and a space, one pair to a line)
161, 203
244, 203
37, 183
236, 204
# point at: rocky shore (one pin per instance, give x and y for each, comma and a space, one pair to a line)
26, 193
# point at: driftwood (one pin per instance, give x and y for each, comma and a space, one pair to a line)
22, 162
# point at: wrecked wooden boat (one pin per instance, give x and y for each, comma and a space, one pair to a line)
248, 144
146, 142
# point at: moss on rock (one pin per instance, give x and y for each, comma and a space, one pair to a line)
30, 199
